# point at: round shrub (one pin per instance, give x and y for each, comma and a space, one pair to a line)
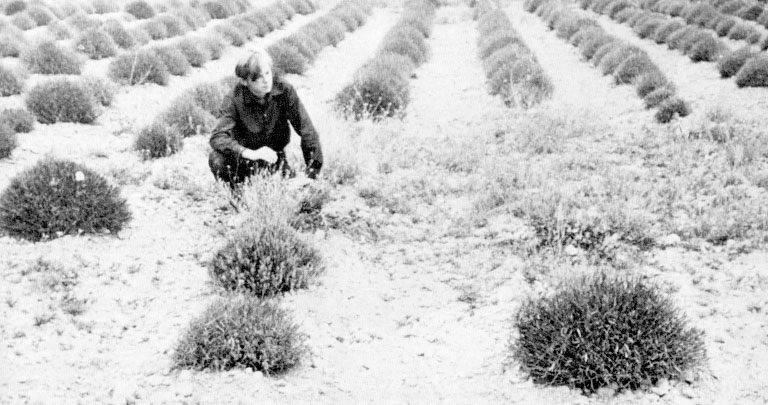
23, 21
496, 40
158, 140
265, 260
14, 6
599, 331
8, 141
188, 117
10, 45
82, 21
195, 52
688, 42
707, 49
62, 99
232, 34
403, 46
140, 36
140, 9
193, 17
379, 89
59, 30
261, 18
665, 30
216, 9
105, 6
731, 7
96, 43
40, 15
59, 197
504, 58
154, 28
633, 67
627, 14
241, 332
307, 47
671, 107
119, 34
754, 73
648, 28
174, 26
138, 68
648, 82
287, 58
303, 7
675, 40
603, 50
751, 12
11, 81
173, 59
209, 96
725, 26
731, 62
613, 59
102, 89
214, 43
658, 96
49, 58
18, 119
740, 31
590, 46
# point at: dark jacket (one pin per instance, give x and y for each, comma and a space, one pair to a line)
247, 124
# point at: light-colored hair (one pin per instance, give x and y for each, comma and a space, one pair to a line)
250, 65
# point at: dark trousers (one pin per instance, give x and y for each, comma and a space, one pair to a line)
236, 170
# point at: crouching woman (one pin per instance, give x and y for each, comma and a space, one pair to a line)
253, 131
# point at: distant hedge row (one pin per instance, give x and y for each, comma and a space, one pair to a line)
690, 35
380, 87
155, 63
628, 64
511, 68
295, 52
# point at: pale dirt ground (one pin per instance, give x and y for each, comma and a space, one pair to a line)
421, 316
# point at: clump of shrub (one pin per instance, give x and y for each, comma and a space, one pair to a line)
105, 6
96, 43
40, 15
214, 43
604, 330
648, 82
195, 53
173, 59
188, 117
11, 44
59, 197
49, 58
8, 141
59, 30
216, 9
209, 96
658, 96
706, 49
19, 120
82, 21
665, 30
670, 108
379, 89
14, 6
633, 67
231, 33
119, 34
241, 332
174, 26
158, 140
101, 89
23, 21
140, 9
11, 81
264, 260
154, 28
287, 58
730, 64
754, 73
62, 99
139, 67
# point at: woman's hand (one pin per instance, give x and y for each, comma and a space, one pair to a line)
264, 153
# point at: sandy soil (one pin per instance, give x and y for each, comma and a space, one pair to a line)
419, 315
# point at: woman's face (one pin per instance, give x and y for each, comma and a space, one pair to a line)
262, 84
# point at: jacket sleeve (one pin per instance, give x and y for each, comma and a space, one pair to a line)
310, 142
222, 137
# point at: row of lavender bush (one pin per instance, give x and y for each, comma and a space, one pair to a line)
380, 87
627, 63
688, 35
511, 68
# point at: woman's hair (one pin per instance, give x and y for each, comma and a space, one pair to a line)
250, 65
